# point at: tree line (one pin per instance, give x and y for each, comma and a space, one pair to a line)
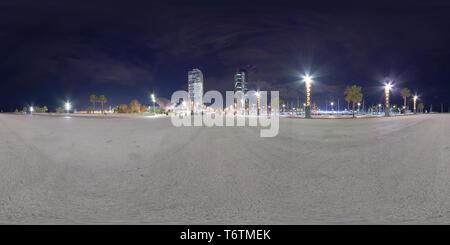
354, 95
94, 99
136, 107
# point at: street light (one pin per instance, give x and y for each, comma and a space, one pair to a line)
332, 104
153, 99
379, 108
31, 109
358, 105
387, 88
258, 103
68, 106
308, 81
415, 100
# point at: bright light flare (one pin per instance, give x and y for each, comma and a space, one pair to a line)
68, 106
307, 79
388, 86
415, 102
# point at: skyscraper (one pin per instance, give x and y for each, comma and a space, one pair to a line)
241, 84
195, 89
241, 80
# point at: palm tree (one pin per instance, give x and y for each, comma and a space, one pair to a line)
405, 94
353, 94
102, 99
421, 106
348, 102
94, 99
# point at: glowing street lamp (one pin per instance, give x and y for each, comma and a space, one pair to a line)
67, 106
153, 99
359, 104
332, 104
308, 81
415, 100
31, 109
387, 88
258, 103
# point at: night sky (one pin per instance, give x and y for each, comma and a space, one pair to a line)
57, 50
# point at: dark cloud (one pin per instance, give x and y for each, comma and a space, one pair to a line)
127, 49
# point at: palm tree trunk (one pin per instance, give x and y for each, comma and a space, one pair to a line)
102, 107
353, 109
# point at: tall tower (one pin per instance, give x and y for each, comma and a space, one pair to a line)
241, 84
195, 89
241, 80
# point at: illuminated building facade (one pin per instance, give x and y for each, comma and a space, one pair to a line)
195, 89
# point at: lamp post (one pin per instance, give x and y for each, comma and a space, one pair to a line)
308, 81
67, 106
387, 88
31, 110
415, 100
358, 106
153, 99
257, 103
379, 108
332, 104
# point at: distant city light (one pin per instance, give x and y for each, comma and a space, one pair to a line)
31, 109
